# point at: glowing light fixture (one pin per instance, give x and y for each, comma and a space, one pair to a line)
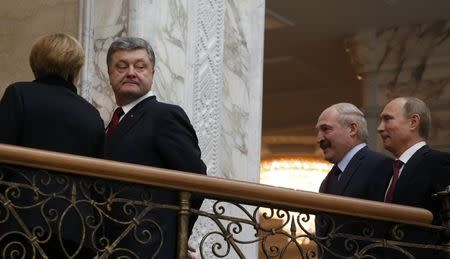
300, 173
297, 173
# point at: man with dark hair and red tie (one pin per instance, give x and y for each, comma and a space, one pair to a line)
147, 132
419, 171
342, 134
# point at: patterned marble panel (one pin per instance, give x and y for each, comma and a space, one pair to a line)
104, 20
242, 92
440, 134
409, 60
240, 96
164, 25
204, 82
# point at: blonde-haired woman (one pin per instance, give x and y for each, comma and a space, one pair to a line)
48, 114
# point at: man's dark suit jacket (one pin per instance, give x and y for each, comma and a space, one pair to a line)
356, 181
160, 135
48, 114
426, 173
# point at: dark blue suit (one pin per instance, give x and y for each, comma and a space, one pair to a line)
424, 174
160, 135
48, 114
356, 181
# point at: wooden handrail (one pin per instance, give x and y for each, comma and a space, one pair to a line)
213, 186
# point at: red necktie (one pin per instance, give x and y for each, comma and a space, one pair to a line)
395, 172
114, 121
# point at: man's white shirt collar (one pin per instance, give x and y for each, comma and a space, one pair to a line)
346, 159
404, 158
411, 151
128, 107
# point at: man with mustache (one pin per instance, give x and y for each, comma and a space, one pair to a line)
421, 171
147, 132
342, 134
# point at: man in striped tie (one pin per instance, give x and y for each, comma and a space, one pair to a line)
342, 134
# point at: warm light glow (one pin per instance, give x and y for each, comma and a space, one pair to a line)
296, 173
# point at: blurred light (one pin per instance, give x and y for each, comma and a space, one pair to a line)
274, 20
299, 173
295, 173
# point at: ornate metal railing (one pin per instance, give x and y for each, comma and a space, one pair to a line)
52, 201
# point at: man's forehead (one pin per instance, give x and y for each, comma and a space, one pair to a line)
131, 53
324, 122
397, 103
392, 107
328, 115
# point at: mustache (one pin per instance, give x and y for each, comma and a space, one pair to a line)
324, 144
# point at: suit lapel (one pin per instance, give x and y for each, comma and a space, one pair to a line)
127, 122
408, 171
323, 185
350, 170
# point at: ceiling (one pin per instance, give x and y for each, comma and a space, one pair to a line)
306, 68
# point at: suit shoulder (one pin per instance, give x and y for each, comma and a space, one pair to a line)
88, 105
437, 153
378, 156
167, 106
19, 86
436, 156
167, 109
18, 90
22, 84
379, 163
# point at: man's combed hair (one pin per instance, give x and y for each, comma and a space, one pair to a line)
348, 114
57, 54
130, 43
413, 106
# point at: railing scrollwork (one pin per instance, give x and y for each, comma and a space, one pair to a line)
49, 198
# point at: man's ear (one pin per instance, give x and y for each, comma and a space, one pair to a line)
353, 129
414, 121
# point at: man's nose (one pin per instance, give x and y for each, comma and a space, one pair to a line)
131, 71
319, 137
380, 127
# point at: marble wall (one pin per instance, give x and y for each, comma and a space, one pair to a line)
101, 22
21, 22
411, 60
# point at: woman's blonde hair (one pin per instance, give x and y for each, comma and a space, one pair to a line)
57, 54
